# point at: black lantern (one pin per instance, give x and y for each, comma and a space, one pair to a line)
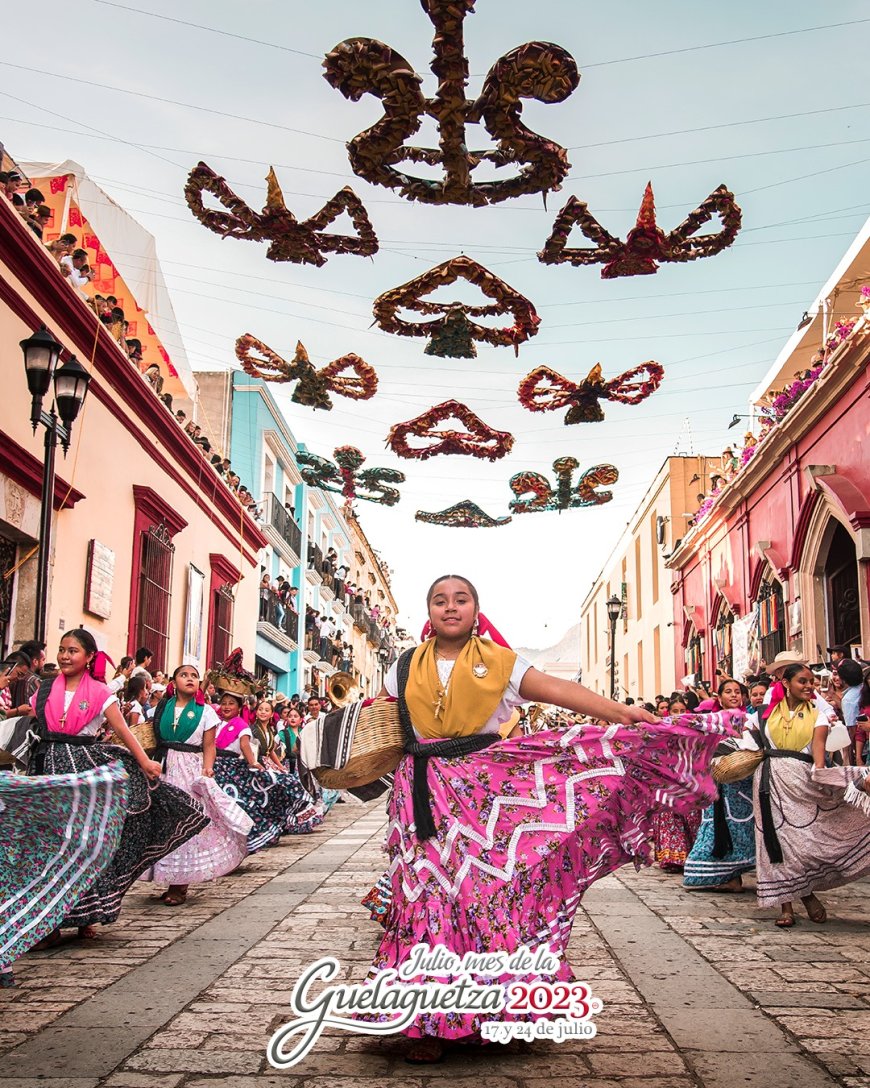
614, 610
41, 352
70, 387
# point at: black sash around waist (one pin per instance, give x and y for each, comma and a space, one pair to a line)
228, 753
177, 746
452, 748
768, 831
67, 738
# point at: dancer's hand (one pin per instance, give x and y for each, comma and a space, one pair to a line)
208, 772
152, 769
633, 715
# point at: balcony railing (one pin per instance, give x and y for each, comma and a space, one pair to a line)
358, 612
315, 557
280, 616
280, 520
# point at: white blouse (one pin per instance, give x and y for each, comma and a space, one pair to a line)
509, 700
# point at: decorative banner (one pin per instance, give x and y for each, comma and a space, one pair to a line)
463, 515
543, 390
452, 333
536, 70
314, 386
646, 243
565, 495
478, 440
299, 243
344, 478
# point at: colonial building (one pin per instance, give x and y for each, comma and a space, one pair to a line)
779, 555
149, 545
302, 526
637, 575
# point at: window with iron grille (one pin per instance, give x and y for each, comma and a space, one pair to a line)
724, 641
222, 623
155, 592
771, 620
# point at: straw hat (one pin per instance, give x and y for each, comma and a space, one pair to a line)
784, 659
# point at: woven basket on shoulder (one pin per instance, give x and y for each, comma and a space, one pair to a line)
143, 731
375, 750
735, 766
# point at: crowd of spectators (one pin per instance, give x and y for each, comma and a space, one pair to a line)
29, 203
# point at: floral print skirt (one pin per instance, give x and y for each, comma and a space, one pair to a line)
523, 828
673, 836
276, 803
158, 818
58, 833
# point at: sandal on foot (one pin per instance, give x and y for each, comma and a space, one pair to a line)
815, 910
785, 921
88, 933
425, 1052
175, 899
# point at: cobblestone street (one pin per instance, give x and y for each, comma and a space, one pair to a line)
698, 989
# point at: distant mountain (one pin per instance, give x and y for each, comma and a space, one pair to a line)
563, 659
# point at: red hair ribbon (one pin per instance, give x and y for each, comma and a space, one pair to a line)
484, 627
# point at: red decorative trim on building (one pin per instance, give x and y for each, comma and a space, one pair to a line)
860, 520
802, 527
26, 470
222, 573
223, 569
178, 457
151, 509
850, 499
156, 509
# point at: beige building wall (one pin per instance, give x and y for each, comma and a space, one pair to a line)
636, 573
123, 440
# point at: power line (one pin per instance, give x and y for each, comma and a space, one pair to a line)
720, 45
712, 128
171, 102
210, 29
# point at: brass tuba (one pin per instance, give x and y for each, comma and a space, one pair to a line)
342, 688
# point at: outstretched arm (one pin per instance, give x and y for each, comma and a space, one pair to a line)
538, 687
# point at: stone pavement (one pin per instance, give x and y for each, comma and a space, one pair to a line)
700, 990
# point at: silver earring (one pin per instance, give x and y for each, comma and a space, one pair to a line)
475, 630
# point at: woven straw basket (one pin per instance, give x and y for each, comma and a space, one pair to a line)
376, 748
735, 766
143, 732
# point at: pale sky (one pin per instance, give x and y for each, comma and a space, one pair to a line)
715, 325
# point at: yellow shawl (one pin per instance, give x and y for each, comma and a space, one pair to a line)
477, 684
792, 730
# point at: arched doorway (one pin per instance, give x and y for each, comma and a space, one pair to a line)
842, 602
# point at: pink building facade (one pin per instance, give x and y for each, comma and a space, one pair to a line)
149, 545
782, 558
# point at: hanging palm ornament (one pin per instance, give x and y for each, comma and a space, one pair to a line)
449, 327
350, 376
343, 476
539, 71
535, 493
477, 440
462, 515
646, 245
302, 242
544, 390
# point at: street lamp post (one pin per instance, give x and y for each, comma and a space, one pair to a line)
41, 353
614, 608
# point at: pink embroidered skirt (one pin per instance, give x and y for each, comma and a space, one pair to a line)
523, 828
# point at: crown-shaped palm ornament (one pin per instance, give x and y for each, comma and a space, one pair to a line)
646, 245
450, 328
302, 242
544, 390
536, 70
477, 440
462, 515
343, 476
565, 494
350, 376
